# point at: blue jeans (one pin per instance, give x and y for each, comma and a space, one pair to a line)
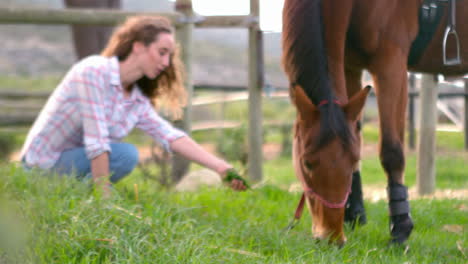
122, 160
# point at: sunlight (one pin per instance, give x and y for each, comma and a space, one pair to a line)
270, 11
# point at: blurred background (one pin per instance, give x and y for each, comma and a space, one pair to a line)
34, 58
220, 55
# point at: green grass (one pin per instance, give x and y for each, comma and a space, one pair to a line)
445, 140
64, 223
450, 171
53, 220
449, 140
450, 161
22, 83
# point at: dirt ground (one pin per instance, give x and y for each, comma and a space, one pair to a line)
375, 193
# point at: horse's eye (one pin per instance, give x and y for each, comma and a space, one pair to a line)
308, 165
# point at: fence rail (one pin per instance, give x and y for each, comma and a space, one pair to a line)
24, 114
11, 98
84, 16
412, 112
19, 95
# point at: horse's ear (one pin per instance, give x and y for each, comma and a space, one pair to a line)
355, 105
304, 106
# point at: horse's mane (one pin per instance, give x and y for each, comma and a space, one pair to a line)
305, 62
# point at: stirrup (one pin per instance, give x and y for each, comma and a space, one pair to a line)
456, 60
450, 30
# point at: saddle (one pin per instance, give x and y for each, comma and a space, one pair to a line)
430, 17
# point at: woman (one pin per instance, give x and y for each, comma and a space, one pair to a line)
102, 98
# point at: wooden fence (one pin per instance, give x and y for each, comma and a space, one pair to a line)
440, 96
21, 107
86, 16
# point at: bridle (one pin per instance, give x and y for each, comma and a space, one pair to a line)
310, 193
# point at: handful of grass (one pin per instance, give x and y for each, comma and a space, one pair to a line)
234, 175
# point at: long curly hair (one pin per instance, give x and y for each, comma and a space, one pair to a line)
167, 91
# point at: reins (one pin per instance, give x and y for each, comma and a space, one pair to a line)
308, 192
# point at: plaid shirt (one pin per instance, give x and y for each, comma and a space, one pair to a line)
88, 109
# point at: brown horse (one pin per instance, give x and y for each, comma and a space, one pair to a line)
326, 46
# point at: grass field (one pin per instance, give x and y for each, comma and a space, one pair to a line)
54, 220
60, 221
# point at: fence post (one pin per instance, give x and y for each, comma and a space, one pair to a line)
255, 156
426, 139
465, 127
411, 121
184, 32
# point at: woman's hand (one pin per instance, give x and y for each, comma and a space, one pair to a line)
102, 188
237, 185
234, 180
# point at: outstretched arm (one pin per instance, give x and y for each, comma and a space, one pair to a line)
175, 140
191, 150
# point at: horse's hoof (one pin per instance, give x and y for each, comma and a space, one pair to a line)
400, 228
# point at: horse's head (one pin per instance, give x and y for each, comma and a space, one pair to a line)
325, 168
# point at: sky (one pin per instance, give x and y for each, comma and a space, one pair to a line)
270, 10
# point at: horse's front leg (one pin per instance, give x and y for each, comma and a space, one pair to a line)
390, 76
